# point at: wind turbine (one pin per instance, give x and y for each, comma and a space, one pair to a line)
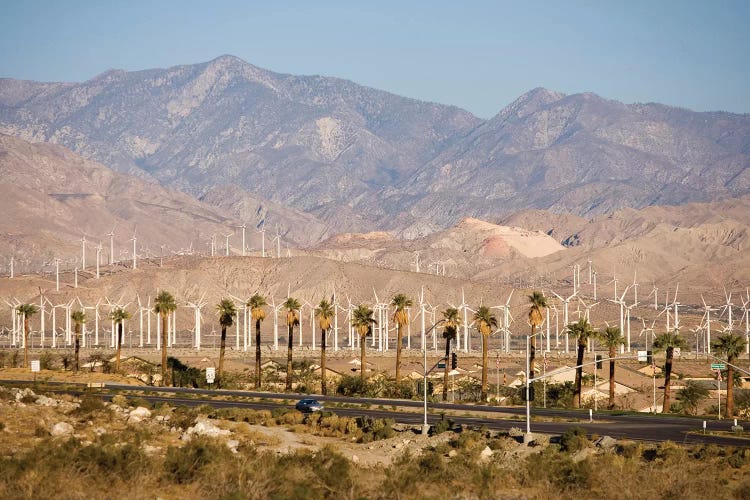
635, 288
588, 308
98, 255
227, 243
655, 293
278, 243
728, 308
57, 274
416, 261
507, 318
565, 302
594, 273
135, 254
707, 322
647, 330
83, 253
111, 235
746, 315
262, 232
621, 300
243, 226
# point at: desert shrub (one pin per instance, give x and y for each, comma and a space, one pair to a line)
667, 452
742, 492
89, 404
375, 429
351, 386
120, 401
442, 425
139, 401
739, 458
574, 439
2, 426
184, 417
559, 470
628, 449
467, 440
28, 399
560, 395
47, 360
3, 359
66, 359
339, 426
15, 358
190, 462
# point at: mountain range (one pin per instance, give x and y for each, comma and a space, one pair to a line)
337, 156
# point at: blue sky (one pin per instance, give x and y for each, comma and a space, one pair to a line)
479, 55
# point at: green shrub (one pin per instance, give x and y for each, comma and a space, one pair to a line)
442, 425
89, 404
189, 463
574, 439
47, 360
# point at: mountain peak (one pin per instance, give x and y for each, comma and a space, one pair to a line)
531, 102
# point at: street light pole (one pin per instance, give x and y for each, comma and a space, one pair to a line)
528, 403
425, 426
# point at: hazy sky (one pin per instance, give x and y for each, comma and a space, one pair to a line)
479, 55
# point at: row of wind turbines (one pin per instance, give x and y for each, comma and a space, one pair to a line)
421, 315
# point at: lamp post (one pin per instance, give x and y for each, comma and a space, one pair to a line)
425, 426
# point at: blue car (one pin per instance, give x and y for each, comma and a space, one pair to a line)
308, 405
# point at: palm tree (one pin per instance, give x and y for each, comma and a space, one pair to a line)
79, 318
28, 310
362, 320
292, 305
256, 304
668, 341
732, 347
227, 312
583, 331
612, 338
118, 315
324, 313
537, 304
401, 302
164, 305
486, 322
451, 324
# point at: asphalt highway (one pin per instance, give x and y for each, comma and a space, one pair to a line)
639, 426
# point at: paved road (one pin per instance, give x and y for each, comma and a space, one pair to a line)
646, 427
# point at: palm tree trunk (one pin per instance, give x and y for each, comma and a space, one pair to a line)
77, 345
667, 379
164, 334
119, 346
25, 341
611, 377
485, 340
363, 366
445, 373
323, 362
222, 348
289, 358
579, 377
730, 388
257, 354
399, 337
532, 353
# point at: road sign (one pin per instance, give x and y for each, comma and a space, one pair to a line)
718, 366
643, 356
210, 374
441, 365
35, 367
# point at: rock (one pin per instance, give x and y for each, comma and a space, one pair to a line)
141, 412
22, 393
452, 453
62, 429
163, 418
398, 446
99, 431
45, 401
204, 427
485, 454
232, 444
606, 443
150, 450
355, 458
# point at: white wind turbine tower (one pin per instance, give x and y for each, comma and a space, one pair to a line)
746, 315
416, 261
198, 318
588, 308
226, 247
565, 302
57, 274
243, 226
614, 280
590, 270
135, 254
647, 330
12, 270
278, 243
276, 310
141, 310
507, 318
262, 232
676, 305
655, 293
728, 308
83, 253
98, 255
635, 288
707, 322
621, 301
111, 235
213, 245
627, 319
594, 274
381, 309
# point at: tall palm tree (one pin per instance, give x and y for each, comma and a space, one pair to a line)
667, 341
486, 322
612, 338
292, 306
362, 320
731, 346
79, 318
28, 310
537, 304
227, 311
324, 313
583, 331
450, 330
401, 302
257, 303
118, 315
164, 305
